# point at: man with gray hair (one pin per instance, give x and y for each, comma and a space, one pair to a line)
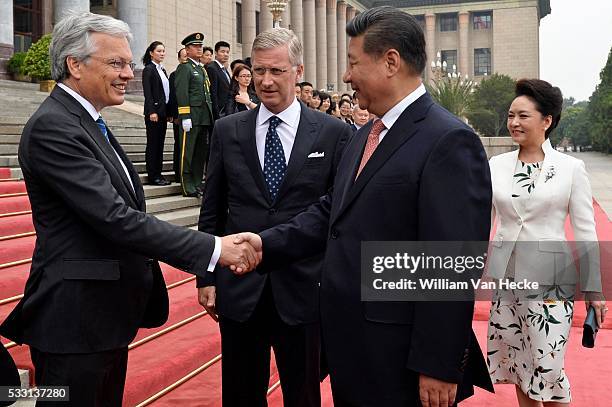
266, 165
95, 278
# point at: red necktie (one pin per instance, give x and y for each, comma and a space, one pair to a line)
373, 139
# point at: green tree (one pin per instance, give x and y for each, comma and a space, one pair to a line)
36, 63
491, 100
600, 110
573, 126
453, 94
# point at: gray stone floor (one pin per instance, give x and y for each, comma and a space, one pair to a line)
599, 167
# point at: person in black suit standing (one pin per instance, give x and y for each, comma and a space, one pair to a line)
95, 279
220, 77
416, 174
266, 165
156, 88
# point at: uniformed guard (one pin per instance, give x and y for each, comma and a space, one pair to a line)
195, 111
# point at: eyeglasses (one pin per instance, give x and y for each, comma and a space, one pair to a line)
116, 64
261, 71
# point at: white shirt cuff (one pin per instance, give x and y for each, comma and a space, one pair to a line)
215, 256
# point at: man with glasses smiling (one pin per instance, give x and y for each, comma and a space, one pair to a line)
266, 165
93, 281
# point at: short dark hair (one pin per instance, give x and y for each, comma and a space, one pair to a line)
234, 62
178, 54
209, 49
386, 27
342, 102
346, 94
306, 84
299, 84
548, 99
220, 44
146, 58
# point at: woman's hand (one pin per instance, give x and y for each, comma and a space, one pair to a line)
598, 302
242, 99
153, 117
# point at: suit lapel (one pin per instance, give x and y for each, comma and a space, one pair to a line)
137, 192
246, 137
402, 130
305, 137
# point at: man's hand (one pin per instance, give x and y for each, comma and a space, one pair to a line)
436, 393
187, 125
206, 298
238, 253
254, 240
154, 117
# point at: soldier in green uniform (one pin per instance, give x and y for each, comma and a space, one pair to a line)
195, 112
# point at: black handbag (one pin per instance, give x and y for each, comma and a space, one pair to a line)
590, 329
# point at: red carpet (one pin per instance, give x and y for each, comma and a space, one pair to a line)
157, 364
5, 173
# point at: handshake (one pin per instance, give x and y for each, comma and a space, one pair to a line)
241, 252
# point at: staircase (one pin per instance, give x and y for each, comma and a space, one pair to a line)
164, 363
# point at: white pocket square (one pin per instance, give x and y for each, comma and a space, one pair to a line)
316, 155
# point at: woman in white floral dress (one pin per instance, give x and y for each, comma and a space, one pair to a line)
534, 189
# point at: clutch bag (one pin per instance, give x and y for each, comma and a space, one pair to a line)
590, 329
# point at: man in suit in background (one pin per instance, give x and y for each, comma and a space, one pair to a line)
360, 117
267, 165
95, 279
197, 114
176, 125
220, 75
416, 174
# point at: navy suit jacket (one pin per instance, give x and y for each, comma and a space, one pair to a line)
428, 180
236, 199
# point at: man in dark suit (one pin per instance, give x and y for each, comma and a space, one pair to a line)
94, 278
416, 174
267, 165
220, 76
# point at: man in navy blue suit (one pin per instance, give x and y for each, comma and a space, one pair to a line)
416, 174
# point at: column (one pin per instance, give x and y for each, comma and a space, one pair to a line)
350, 14
463, 51
332, 45
341, 33
6, 36
61, 6
310, 42
134, 13
286, 17
321, 28
249, 27
297, 19
430, 42
265, 17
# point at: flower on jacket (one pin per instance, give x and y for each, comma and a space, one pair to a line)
550, 172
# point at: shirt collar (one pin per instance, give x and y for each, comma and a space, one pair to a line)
84, 102
194, 61
158, 66
220, 64
289, 116
394, 113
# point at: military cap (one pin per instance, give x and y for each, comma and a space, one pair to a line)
195, 38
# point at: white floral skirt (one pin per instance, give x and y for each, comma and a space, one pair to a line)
526, 345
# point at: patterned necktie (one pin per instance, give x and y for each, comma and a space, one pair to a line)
373, 138
227, 76
103, 128
274, 158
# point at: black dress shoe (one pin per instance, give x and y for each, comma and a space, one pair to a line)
194, 194
159, 182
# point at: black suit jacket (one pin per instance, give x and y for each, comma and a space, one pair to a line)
219, 86
155, 98
172, 106
428, 180
93, 282
236, 199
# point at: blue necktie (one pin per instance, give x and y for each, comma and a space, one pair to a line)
103, 128
274, 158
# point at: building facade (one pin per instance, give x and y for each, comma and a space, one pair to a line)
479, 37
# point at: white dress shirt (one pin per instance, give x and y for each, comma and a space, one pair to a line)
395, 112
164, 79
224, 70
287, 129
95, 115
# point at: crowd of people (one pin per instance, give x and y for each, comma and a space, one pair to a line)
296, 181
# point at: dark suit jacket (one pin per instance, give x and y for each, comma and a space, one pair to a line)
219, 86
236, 199
172, 106
153, 89
92, 283
428, 180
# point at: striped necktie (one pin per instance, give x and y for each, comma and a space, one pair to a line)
103, 128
